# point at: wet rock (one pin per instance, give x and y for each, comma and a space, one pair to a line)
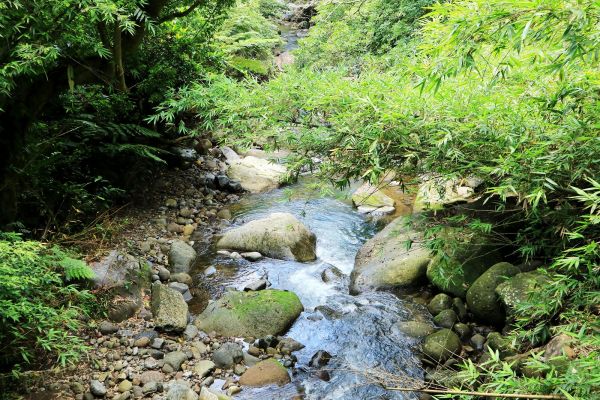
210, 271
182, 277
289, 345
252, 256
482, 298
384, 260
168, 308
257, 175
439, 303
260, 284
446, 319
332, 274
441, 345
280, 235
320, 359
267, 372
416, 329
228, 355
256, 314
371, 196
97, 388
181, 256
468, 258
225, 214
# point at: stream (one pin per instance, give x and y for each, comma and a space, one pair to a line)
358, 331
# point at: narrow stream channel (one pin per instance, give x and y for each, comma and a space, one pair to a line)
358, 331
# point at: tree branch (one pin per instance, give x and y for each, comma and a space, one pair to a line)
181, 14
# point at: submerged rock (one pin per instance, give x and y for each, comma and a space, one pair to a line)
267, 372
256, 314
256, 175
280, 235
482, 299
386, 260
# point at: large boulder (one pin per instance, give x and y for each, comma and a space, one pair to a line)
181, 257
169, 309
256, 174
256, 314
434, 194
125, 277
517, 289
467, 256
441, 345
386, 261
482, 299
267, 372
280, 235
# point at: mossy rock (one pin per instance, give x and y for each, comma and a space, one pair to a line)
517, 289
468, 257
372, 196
482, 299
384, 261
441, 345
446, 319
499, 343
256, 314
439, 303
416, 329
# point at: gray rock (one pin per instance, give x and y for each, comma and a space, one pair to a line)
478, 341
150, 387
224, 214
280, 235
163, 273
459, 308
180, 287
182, 277
181, 257
441, 345
203, 368
252, 256
463, 330
439, 303
180, 390
257, 175
210, 270
260, 284
157, 343
228, 355
107, 328
191, 331
175, 359
97, 388
385, 261
169, 308
482, 299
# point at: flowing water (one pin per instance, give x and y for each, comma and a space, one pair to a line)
359, 331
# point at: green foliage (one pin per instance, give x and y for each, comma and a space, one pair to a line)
39, 311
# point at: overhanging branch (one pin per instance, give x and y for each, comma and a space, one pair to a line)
181, 14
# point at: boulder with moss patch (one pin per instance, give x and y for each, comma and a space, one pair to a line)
256, 314
517, 289
441, 345
280, 235
394, 257
468, 255
482, 299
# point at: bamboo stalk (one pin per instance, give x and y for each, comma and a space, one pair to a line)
482, 394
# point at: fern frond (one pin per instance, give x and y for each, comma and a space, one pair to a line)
76, 269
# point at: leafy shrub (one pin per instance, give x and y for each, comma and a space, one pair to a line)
40, 310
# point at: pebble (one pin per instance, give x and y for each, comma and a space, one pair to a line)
150, 387
97, 388
107, 328
125, 386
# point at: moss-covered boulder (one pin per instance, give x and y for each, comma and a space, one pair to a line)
439, 303
517, 289
502, 345
385, 261
446, 319
280, 235
256, 314
434, 194
482, 299
468, 255
441, 345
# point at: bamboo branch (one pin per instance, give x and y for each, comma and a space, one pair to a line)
181, 14
482, 394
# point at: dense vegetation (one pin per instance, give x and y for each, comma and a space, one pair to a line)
506, 91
